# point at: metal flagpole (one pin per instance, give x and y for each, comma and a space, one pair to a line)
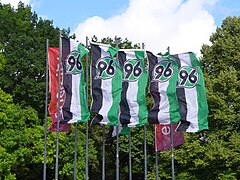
156, 162
75, 151
87, 103
145, 153
156, 154
46, 112
171, 138
145, 145
130, 155
103, 152
58, 105
117, 134
117, 155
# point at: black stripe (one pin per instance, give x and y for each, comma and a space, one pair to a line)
184, 124
154, 91
124, 108
97, 96
67, 81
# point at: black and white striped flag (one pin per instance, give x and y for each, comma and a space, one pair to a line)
133, 109
191, 94
75, 107
163, 75
106, 81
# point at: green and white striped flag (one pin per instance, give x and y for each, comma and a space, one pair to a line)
74, 107
163, 75
106, 81
191, 94
133, 109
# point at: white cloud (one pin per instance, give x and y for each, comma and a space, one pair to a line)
184, 25
14, 3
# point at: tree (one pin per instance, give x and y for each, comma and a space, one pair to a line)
221, 63
21, 145
23, 37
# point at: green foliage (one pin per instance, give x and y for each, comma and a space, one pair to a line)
221, 63
22, 142
23, 37
117, 42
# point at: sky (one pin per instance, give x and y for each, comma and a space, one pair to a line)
182, 25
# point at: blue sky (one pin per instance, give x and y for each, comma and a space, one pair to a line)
77, 11
184, 25
70, 15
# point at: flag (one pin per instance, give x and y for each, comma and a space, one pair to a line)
133, 109
75, 107
53, 61
163, 138
106, 82
122, 130
163, 75
191, 93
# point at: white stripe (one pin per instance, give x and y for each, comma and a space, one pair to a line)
191, 98
106, 87
131, 94
163, 114
75, 107
132, 103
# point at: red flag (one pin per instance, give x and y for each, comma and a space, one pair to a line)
162, 137
53, 55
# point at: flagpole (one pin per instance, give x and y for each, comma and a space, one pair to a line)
75, 151
46, 112
117, 134
58, 105
156, 162
171, 138
130, 155
145, 145
117, 154
156, 153
87, 103
103, 152
145, 153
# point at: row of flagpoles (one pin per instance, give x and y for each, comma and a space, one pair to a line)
103, 72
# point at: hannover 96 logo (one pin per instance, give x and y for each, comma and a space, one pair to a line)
132, 70
73, 63
106, 68
162, 71
188, 77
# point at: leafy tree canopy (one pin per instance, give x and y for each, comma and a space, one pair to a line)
23, 39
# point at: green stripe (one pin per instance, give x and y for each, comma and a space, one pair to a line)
141, 94
112, 51
139, 54
172, 96
82, 50
125, 131
201, 95
83, 102
116, 96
